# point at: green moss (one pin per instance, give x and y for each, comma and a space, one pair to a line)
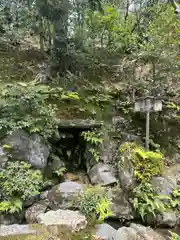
16, 65
146, 164
127, 154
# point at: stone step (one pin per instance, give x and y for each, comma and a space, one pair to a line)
16, 229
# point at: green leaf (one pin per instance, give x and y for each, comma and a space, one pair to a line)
6, 146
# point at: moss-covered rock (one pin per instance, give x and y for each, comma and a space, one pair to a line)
137, 165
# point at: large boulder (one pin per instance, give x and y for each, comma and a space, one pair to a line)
34, 211
167, 219
164, 185
31, 200
126, 170
173, 172
63, 195
168, 181
126, 233
105, 231
121, 208
146, 233
109, 150
137, 232
30, 148
103, 174
56, 220
126, 177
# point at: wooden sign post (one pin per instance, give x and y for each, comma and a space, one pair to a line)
147, 105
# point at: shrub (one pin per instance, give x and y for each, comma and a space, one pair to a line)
94, 202
18, 182
27, 106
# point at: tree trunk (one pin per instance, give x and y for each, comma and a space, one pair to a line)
60, 38
49, 47
41, 35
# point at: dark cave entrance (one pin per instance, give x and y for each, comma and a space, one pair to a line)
71, 147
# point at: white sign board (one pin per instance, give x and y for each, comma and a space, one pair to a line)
148, 105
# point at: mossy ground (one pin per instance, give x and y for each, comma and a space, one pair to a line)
18, 65
43, 234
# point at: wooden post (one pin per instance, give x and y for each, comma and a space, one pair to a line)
147, 129
147, 105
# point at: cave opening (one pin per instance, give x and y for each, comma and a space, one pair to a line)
71, 147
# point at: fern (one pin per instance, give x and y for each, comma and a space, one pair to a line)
94, 202
174, 236
12, 206
146, 202
104, 209
94, 138
60, 171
